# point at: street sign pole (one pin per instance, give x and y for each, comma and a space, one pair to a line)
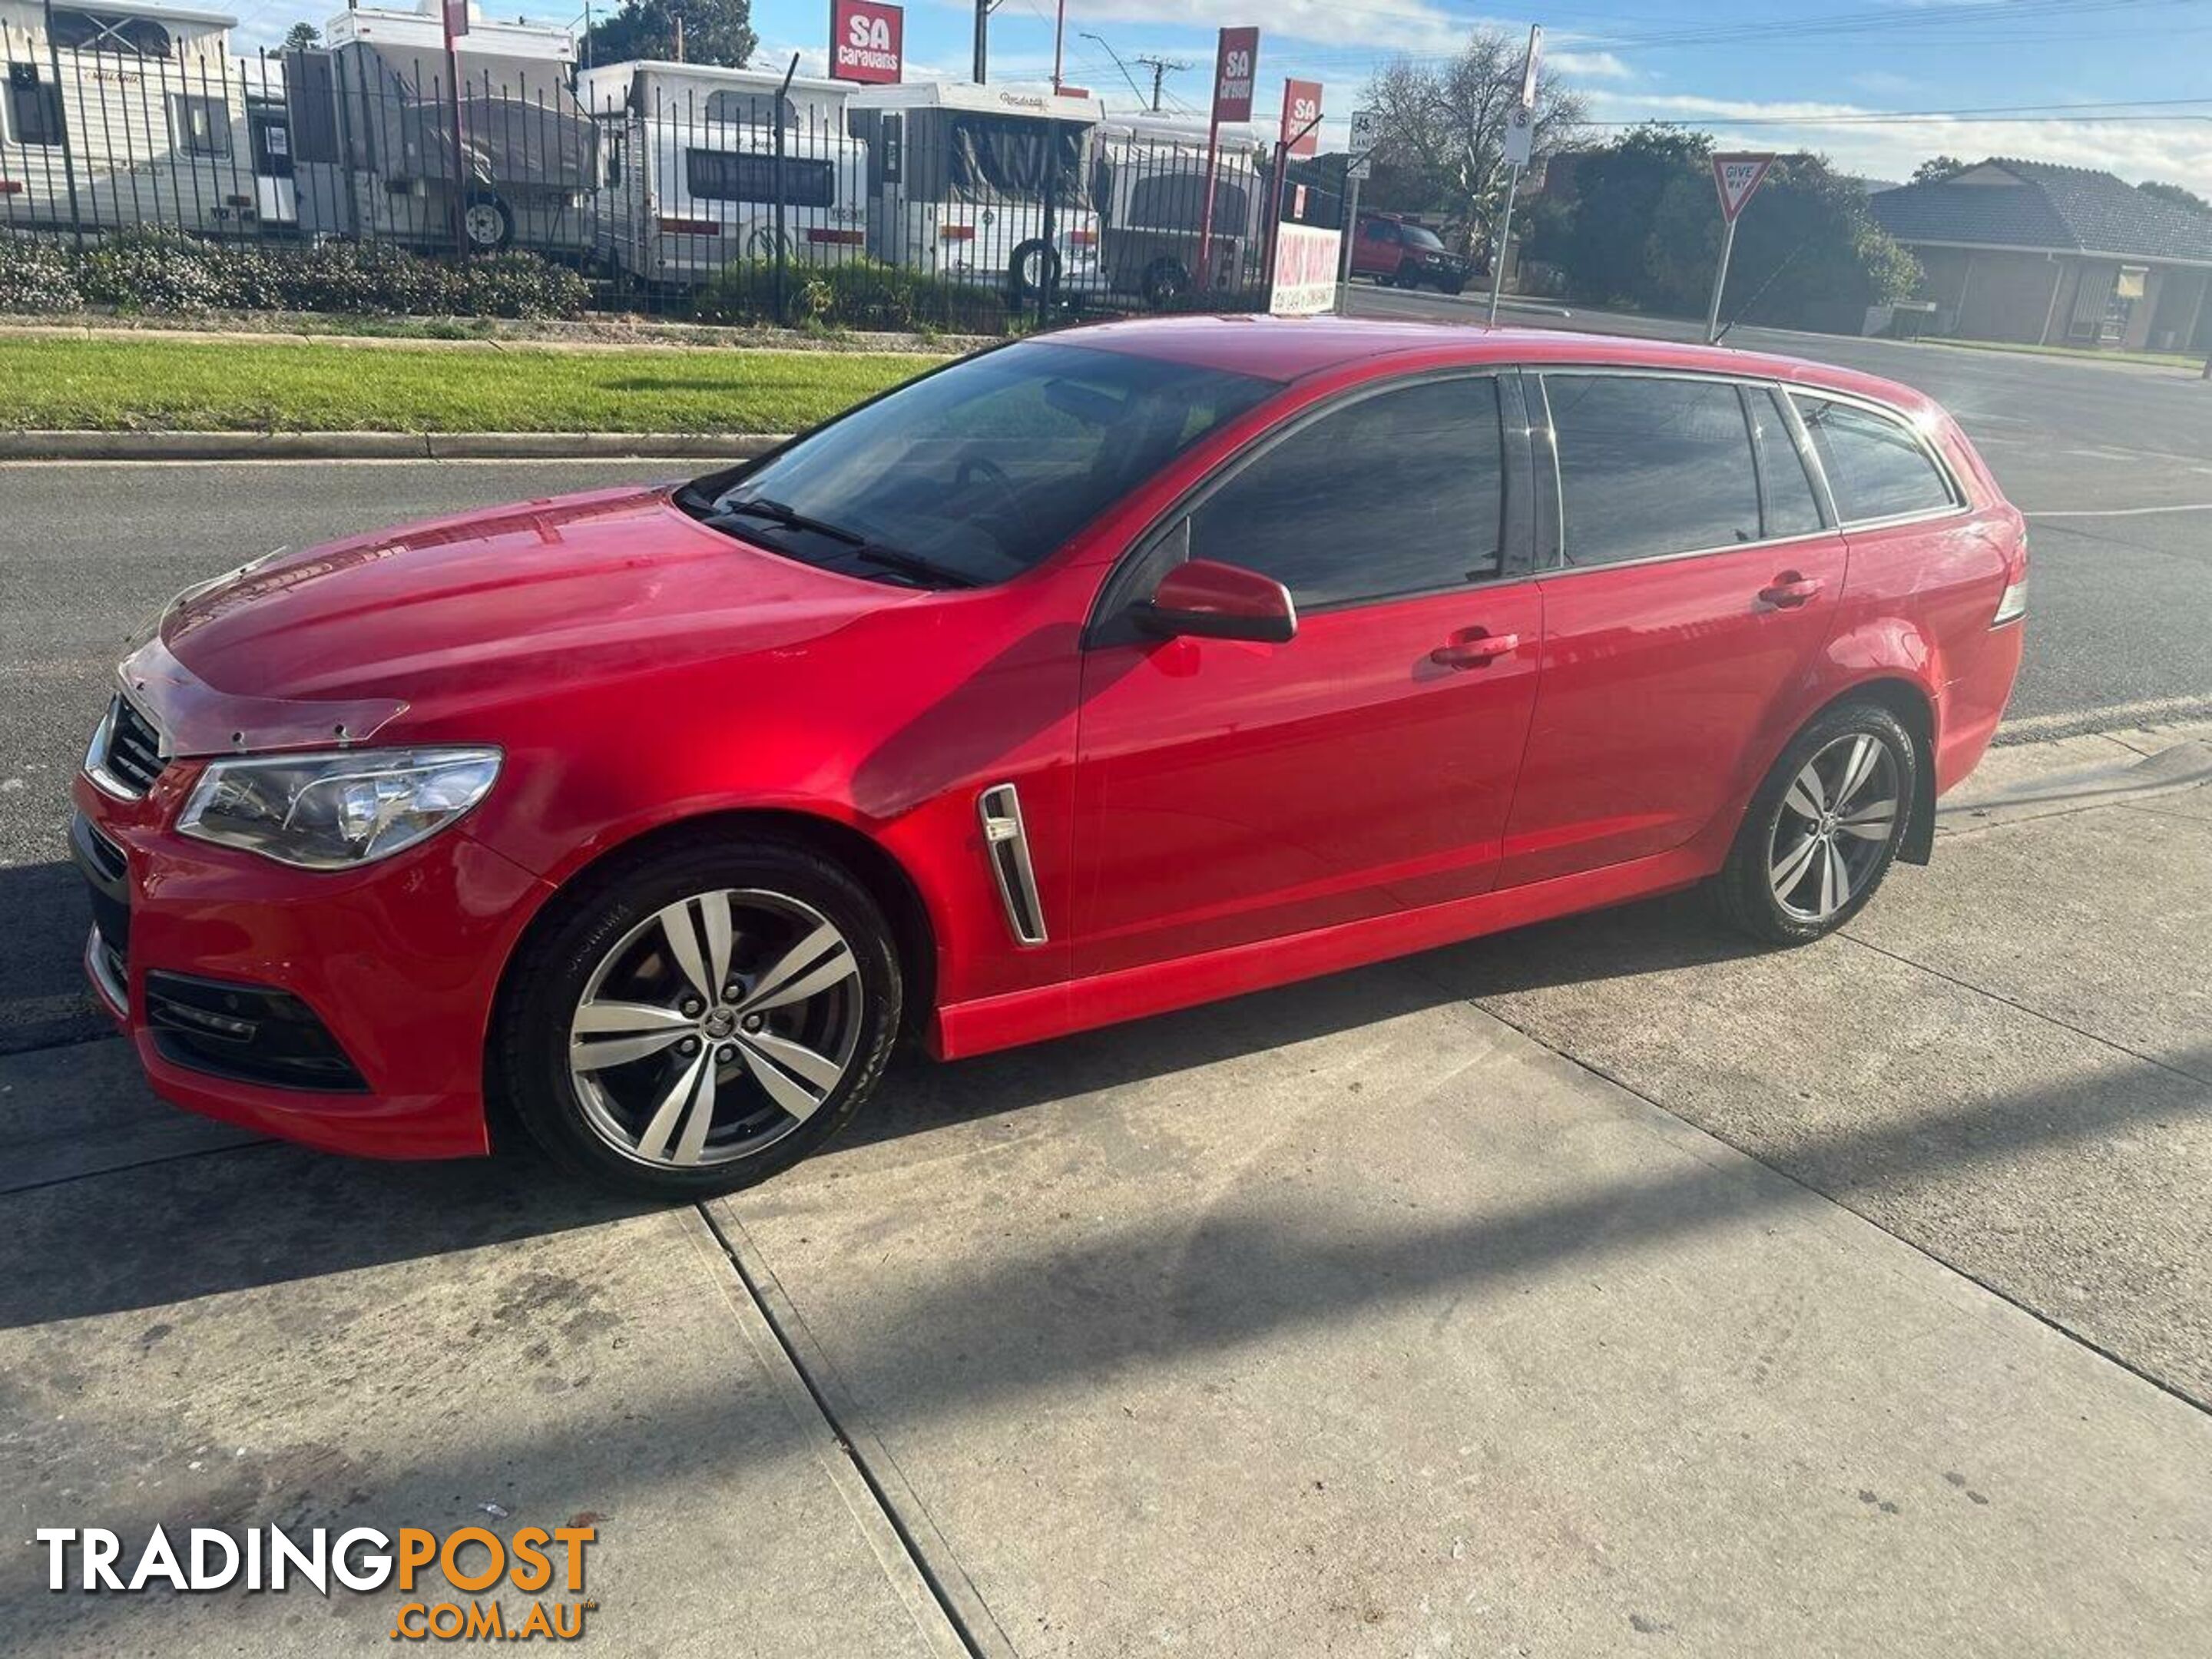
1719, 282
1735, 178
1505, 243
454, 14
1520, 136
1358, 161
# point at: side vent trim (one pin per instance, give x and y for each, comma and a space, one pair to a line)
1007, 844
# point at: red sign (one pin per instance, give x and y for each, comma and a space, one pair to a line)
1736, 177
457, 20
1235, 67
1301, 116
867, 41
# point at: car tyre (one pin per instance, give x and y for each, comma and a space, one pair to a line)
487, 222
1034, 271
1165, 284
612, 948
1823, 828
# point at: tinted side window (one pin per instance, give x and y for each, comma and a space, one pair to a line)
1399, 493
1650, 465
1876, 468
1792, 508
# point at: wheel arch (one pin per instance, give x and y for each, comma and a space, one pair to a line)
1915, 710
914, 936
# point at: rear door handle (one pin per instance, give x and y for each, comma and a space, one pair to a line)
1474, 648
1789, 590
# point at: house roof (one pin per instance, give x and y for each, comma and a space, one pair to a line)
2004, 202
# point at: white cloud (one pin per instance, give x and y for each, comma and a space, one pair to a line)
1588, 65
2178, 151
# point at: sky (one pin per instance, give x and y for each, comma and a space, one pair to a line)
2116, 84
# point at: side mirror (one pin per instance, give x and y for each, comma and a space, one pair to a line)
1215, 601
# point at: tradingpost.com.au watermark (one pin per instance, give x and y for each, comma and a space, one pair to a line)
474, 1560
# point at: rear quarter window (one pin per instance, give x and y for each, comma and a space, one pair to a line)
1876, 467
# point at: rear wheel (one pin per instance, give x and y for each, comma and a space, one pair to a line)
1165, 284
701, 1019
1823, 829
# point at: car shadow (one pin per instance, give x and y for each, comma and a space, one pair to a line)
44, 916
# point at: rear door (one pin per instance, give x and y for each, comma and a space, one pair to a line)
1694, 582
1230, 793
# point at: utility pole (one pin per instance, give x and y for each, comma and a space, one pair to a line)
982, 40
1161, 68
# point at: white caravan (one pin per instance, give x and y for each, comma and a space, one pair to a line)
149, 121
963, 181
1148, 178
373, 141
692, 180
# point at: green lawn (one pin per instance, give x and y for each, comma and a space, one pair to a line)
232, 386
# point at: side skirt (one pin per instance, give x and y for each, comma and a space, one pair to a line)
1003, 1022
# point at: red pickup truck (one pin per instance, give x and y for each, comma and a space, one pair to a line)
1402, 255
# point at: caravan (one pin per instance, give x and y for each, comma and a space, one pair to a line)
986, 185
150, 121
698, 179
1148, 178
373, 124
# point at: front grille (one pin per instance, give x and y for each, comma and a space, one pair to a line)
105, 871
251, 1033
134, 747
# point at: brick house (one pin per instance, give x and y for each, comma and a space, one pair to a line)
2025, 250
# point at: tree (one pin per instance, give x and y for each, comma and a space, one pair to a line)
1643, 228
714, 32
302, 37
1440, 131
1936, 168
2177, 195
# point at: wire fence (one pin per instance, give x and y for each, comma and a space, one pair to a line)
720, 195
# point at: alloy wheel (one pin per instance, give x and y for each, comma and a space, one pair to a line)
1836, 819
715, 1027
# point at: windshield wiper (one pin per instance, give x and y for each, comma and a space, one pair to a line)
867, 551
897, 558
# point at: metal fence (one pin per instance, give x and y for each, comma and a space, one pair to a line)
726, 196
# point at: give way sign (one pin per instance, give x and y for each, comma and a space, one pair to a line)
1736, 177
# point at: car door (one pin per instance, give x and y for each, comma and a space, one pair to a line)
1375, 252
1229, 792
1694, 581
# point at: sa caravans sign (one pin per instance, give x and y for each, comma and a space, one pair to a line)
867, 41
1301, 116
1235, 68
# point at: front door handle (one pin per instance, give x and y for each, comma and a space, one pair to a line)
1789, 590
1474, 648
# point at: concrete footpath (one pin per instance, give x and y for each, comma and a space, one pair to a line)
1599, 1288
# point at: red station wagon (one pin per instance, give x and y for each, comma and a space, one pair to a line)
1091, 677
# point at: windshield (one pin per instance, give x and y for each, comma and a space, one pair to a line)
973, 474
1416, 237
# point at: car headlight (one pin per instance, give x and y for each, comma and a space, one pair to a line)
332, 811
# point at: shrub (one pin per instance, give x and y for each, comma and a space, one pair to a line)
861, 294
165, 271
36, 277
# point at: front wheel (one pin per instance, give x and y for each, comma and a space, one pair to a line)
1823, 828
698, 1020
487, 222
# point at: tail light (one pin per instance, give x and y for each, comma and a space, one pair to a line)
1082, 239
690, 228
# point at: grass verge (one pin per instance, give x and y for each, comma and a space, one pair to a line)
120, 386
2078, 354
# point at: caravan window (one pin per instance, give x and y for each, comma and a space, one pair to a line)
751, 109
720, 175
125, 37
201, 125
1177, 201
1007, 157
35, 111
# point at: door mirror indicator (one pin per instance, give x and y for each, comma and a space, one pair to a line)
1207, 600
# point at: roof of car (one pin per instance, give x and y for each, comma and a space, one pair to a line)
1292, 348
